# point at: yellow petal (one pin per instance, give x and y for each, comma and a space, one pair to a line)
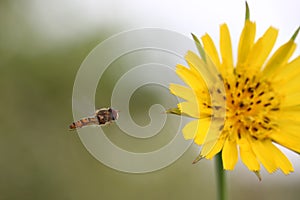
189, 108
279, 59
216, 148
264, 154
202, 130
261, 50
215, 138
291, 100
226, 51
191, 79
207, 71
229, 154
190, 130
211, 50
247, 155
188, 77
288, 135
196, 130
287, 86
289, 71
289, 113
182, 92
245, 44
280, 159
286, 80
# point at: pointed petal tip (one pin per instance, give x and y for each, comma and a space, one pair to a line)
199, 46
295, 34
195, 38
247, 16
257, 173
175, 111
200, 157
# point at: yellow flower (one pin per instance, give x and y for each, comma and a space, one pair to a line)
262, 99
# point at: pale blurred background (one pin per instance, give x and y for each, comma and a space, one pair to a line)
42, 44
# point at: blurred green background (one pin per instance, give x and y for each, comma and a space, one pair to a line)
41, 159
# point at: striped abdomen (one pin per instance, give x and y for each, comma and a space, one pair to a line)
102, 117
84, 122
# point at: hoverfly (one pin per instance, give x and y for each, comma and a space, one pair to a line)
101, 117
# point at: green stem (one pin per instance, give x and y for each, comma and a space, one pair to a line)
221, 178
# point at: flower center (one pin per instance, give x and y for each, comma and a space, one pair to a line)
250, 104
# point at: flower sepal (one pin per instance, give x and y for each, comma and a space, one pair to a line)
175, 111
257, 173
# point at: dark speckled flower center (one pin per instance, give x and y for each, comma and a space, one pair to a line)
249, 105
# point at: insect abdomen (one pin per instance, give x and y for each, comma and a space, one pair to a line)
102, 117
84, 122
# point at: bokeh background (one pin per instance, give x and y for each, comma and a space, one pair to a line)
43, 43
